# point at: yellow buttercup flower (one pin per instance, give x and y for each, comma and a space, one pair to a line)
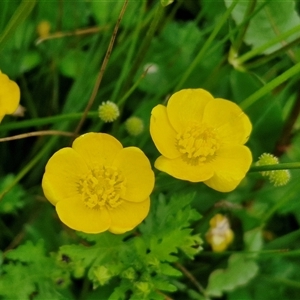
9, 96
98, 185
219, 235
202, 139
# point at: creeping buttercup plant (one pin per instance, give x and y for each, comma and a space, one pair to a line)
157, 155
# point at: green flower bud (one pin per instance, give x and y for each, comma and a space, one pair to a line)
276, 177
134, 126
280, 177
108, 111
267, 159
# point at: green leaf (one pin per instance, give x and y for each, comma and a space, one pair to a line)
164, 285
272, 20
30, 60
107, 12
167, 269
19, 16
73, 63
28, 252
14, 199
239, 272
253, 239
106, 244
165, 230
166, 2
28, 267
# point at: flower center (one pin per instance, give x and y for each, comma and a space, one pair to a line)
197, 143
103, 186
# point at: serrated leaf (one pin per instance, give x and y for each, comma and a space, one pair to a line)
239, 272
106, 245
164, 285
15, 276
119, 292
167, 269
32, 270
191, 245
28, 252
165, 230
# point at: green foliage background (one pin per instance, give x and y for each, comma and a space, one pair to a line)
245, 51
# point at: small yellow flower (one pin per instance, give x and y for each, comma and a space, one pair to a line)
98, 185
9, 96
219, 236
108, 111
202, 139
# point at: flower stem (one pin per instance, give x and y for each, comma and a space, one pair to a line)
45, 121
283, 166
102, 69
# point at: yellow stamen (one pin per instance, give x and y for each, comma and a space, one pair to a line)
102, 187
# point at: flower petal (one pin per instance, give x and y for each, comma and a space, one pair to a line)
136, 168
162, 133
97, 148
179, 169
232, 123
128, 215
187, 106
63, 171
9, 95
230, 166
77, 216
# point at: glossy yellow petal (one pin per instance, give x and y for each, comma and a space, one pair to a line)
136, 169
230, 166
74, 213
63, 171
97, 149
179, 169
162, 133
9, 95
128, 215
232, 124
187, 106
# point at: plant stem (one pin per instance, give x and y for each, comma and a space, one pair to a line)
237, 44
205, 47
283, 166
267, 45
270, 86
286, 135
45, 121
29, 166
102, 69
272, 55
